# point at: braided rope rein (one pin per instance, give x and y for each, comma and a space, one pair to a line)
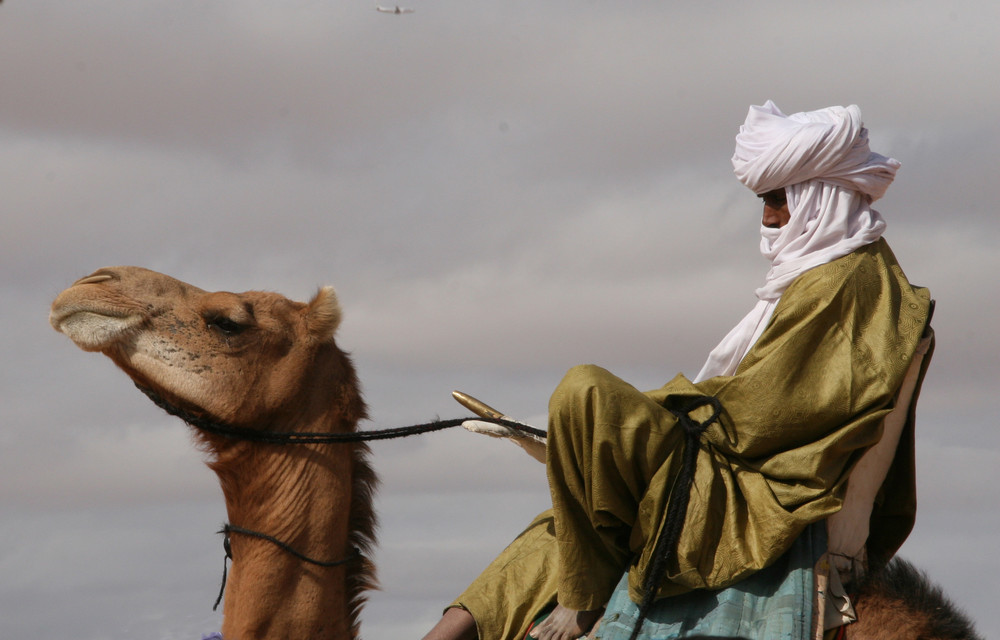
214, 427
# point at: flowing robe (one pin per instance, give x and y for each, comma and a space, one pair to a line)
805, 403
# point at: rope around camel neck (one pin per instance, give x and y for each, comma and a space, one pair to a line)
296, 437
229, 529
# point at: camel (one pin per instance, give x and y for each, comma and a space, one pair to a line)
301, 517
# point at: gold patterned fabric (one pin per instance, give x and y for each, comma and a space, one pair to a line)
806, 401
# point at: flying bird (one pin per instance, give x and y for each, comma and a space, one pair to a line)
397, 9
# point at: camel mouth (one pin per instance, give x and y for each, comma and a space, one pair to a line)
93, 329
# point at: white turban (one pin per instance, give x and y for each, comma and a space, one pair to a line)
830, 177
831, 145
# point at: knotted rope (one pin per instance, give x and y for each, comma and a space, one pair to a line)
665, 549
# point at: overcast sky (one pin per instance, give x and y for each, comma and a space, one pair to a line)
498, 191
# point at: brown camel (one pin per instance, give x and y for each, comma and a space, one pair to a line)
253, 361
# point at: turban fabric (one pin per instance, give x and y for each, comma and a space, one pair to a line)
830, 176
774, 150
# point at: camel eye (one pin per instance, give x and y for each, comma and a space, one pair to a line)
224, 325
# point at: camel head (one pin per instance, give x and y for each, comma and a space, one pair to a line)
252, 360
245, 359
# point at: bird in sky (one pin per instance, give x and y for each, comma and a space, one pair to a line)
397, 9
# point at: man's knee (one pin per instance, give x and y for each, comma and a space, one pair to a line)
585, 393
585, 378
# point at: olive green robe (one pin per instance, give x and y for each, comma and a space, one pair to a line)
805, 403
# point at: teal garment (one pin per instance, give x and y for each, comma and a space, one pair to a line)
773, 604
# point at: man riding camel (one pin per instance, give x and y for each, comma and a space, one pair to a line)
701, 484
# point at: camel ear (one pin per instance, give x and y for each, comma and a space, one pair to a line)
323, 315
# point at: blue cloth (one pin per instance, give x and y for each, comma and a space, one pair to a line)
775, 603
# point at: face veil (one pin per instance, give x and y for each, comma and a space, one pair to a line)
830, 176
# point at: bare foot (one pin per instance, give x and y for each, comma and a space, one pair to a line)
566, 624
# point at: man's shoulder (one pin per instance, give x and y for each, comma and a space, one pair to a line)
864, 294
868, 261
868, 269
865, 291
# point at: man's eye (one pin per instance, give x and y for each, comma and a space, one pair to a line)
774, 199
225, 325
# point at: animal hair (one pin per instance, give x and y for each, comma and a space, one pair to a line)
902, 588
362, 527
362, 519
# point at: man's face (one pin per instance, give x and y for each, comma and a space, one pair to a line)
776, 213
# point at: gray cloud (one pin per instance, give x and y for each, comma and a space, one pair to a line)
497, 192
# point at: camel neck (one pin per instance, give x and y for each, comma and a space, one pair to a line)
299, 496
